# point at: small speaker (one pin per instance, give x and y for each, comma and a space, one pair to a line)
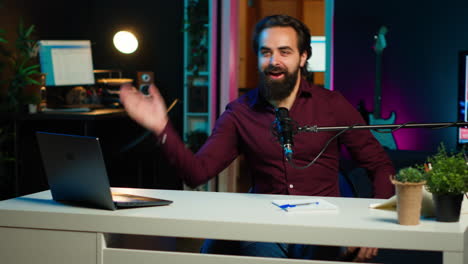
144, 80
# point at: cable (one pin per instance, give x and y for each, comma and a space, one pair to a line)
139, 139
323, 149
412, 125
391, 130
448, 125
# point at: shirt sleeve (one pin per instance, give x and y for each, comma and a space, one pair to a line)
217, 153
365, 149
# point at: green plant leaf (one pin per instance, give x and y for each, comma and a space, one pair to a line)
30, 80
35, 66
28, 32
449, 172
33, 72
410, 174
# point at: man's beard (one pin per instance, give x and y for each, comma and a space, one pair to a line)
276, 90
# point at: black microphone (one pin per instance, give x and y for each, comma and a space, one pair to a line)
285, 131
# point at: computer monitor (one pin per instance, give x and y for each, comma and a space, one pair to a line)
463, 96
66, 62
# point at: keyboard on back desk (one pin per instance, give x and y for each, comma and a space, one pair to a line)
74, 108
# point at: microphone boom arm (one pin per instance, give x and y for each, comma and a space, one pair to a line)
377, 128
316, 129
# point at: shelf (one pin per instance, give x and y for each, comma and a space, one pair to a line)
200, 73
198, 114
199, 81
199, 100
198, 89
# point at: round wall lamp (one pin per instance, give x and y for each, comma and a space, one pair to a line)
125, 42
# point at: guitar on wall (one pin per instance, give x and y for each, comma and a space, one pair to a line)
375, 118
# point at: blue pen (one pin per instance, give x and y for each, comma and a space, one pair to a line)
286, 206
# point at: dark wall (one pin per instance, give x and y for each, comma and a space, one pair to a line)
157, 24
420, 63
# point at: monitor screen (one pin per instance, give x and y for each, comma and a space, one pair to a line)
66, 62
463, 96
317, 62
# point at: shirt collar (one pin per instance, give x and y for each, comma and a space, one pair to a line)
254, 98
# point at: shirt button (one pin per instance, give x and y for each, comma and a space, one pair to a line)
163, 139
291, 186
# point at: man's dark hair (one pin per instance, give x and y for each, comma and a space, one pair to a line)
303, 33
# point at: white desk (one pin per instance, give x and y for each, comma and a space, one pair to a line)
40, 230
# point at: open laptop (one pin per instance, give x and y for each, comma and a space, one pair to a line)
76, 173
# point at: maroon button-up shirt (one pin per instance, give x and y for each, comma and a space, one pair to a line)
244, 128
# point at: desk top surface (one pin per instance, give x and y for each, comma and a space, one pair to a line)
237, 216
66, 115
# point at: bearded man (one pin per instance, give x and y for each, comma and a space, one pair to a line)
282, 44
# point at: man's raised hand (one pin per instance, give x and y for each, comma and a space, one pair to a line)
147, 110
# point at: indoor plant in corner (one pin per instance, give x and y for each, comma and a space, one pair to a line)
409, 182
23, 83
447, 180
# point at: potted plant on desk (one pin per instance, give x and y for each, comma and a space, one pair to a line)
447, 180
409, 182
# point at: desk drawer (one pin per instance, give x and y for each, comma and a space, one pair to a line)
39, 246
125, 256
119, 255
